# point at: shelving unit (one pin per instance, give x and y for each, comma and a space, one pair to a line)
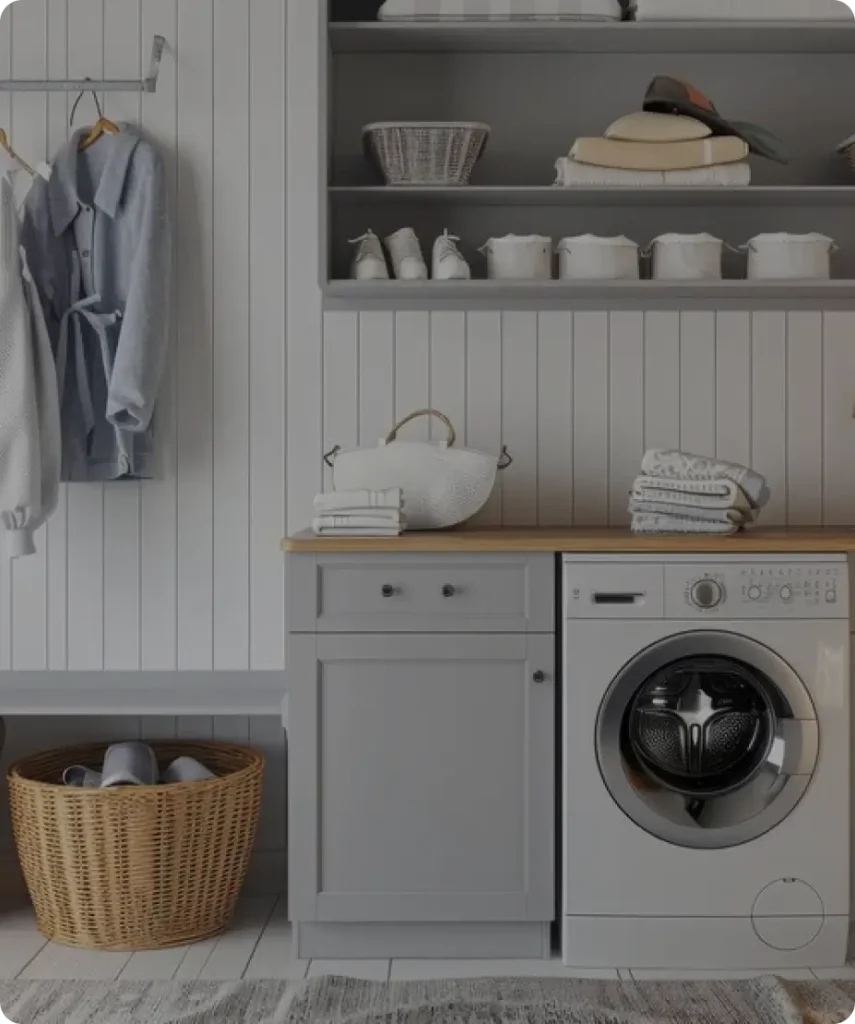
541, 84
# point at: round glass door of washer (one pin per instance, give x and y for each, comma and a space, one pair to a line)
707, 739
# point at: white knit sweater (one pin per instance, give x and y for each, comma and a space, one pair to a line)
30, 449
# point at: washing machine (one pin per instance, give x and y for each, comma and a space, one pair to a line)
706, 786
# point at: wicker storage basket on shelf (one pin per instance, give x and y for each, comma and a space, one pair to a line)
426, 152
135, 867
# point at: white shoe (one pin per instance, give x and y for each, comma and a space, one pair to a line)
448, 261
369, 263
407, 260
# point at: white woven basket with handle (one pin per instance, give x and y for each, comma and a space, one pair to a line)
443, 486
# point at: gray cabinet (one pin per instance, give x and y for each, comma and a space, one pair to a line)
426, 778
421, 716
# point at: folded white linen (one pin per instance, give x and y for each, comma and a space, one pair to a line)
571, 174
742, 10
501, 10
675, 465
710, 515
357, 531
363, 522
359, 501
714, 494
649, 523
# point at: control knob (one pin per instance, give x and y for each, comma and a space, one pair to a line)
706, 594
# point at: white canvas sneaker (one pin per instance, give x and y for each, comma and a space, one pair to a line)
407, 260
448, 261
369, 263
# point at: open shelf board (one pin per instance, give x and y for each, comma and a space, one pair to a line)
548, 292
593, 37
548, 195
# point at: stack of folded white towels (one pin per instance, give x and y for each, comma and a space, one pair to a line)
360, 514
682, 493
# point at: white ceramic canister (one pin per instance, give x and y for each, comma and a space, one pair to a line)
686, 257
781, 256
591, 257
519, 258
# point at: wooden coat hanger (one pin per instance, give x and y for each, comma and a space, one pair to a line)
4, 142
103, 126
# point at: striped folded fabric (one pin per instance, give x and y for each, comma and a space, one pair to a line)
501, 10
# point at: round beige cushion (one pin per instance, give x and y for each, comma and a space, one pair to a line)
647, 126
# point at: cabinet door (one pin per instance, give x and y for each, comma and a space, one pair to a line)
422, 778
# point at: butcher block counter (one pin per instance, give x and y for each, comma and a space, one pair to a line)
595, 540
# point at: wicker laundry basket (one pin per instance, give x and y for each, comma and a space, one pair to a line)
135, 867
426, 152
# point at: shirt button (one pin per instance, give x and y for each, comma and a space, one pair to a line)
85, 254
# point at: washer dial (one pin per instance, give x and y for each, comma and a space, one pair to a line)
706, 594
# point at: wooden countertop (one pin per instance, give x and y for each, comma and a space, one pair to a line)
809, 540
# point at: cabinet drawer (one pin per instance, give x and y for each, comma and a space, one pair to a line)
421, 593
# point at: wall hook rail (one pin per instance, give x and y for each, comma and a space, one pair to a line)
147, 84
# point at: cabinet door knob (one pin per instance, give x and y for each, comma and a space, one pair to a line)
448, 590
539, 677
388, 590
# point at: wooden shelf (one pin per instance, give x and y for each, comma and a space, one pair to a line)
550, 195
598, 540
588, 37
141, 693
391, 292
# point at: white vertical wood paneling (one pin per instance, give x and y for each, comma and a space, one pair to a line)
590, 418
195, 334
266, 341
413, 372
230, 409
57, 529
733, 387
448, 372
122, 552
28, 130
376, 376
306, 171
769, 409
5, 566
661, 379
86, 501
159, 509
341, 395
519, 417
626, 409
839, 419
804, 418
484, 399
555, 419
697, 382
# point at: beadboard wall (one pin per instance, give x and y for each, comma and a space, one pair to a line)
183, 572
578, 397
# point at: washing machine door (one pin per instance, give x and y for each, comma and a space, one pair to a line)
707, 739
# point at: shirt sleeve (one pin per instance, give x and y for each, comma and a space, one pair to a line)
144, 332
20, 453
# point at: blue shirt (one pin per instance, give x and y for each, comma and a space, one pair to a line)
99, 245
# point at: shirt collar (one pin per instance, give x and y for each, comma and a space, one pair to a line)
62, 187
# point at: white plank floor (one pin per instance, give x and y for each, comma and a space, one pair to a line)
260, 945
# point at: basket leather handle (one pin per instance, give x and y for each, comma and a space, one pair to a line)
452, 434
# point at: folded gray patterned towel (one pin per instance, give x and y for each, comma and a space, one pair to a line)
649, 523
676, 465
709, 515
689, 496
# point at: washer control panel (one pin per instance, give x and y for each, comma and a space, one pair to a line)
761, 590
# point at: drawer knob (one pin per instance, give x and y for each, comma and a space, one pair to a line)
448, 590
539, 677
388, 590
